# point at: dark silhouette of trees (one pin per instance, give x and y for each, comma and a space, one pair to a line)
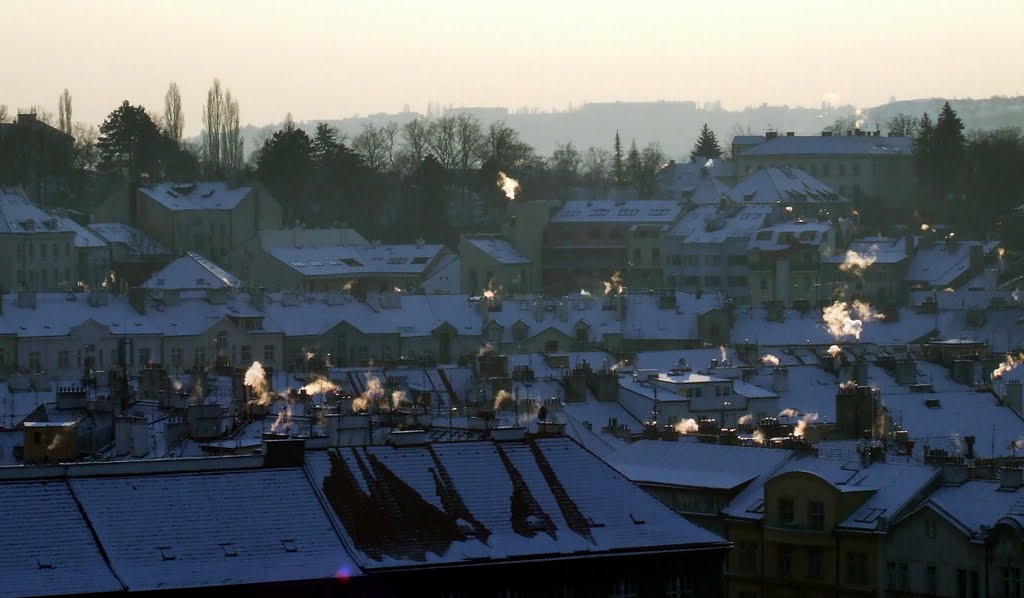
903, 125
285, 165
174, 120
64, 112
129, 143
618, 168
706, 146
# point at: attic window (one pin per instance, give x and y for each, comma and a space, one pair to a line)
757, 507
43, 564
420, 260
289, 546
629, 212
599, 212
932, 404
166, 554
298, 264
397, 260
765, 235
315, 263
659, 212
636, 519
352, 262
229, 549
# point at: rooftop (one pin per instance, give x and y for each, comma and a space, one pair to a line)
358, 260
137, 242
498, 248
19, 215
785, 185
206, 195
619, 212
804, 145
191, 272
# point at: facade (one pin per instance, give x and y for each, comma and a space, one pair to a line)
785, 263
875, 269
802, 195
490, 261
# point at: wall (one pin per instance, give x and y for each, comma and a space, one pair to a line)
927, 538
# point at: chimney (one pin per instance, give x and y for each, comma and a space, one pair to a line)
860, 373
1010, 478
289, 452
771, 134
1012, 394
969, 441
780, 379
826, 133
790, 134
137, 299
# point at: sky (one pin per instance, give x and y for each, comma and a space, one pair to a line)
332, 59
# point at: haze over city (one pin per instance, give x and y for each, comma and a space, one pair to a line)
327, 60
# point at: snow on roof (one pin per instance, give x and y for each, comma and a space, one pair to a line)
712, 224
885, 250
942, 263
807, 145
137, 242
785, 185
238, 527
892, 488
695, 464
694, 358
624, 212
57, 314
358, 260
451, 502
942, 419
47, 546
19, 215
784, 236
498, 248
751, 326
191, 272
1002, 329
810, 390
84, 236
206, 195
310, 237
692, 182
976, 503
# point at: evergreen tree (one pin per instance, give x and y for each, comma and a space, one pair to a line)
285, 165
130, 143
618, 170
633, 165
947, 152
706, 146
325, 144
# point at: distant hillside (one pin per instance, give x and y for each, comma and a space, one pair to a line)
675, 124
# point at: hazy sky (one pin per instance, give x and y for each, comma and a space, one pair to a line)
336, 58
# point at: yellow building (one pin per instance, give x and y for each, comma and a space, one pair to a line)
817, 527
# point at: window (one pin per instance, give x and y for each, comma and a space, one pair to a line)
35, 361
624, 588
931, 580
785, 560
786, 510
551, 346
63, 359
711, 260
145, 355
177, 356
3, 356
200, 356
746, 557
268, 353
582, 333
519, 332
816, 514
42, 250
676, 260
815, 563
638, 255
680, 587
856, 568
929, 527
246, 353
694, 392
1011, 581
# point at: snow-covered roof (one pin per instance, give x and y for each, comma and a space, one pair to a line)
694, 182
451, 502
19, 215
206, 195
695, 464
620, 212
884, 250
498, 248
812, 145
892, 488
84, 236
940, 264
712, 224
358, 260
752, 326
47, 545
785, 235
785, 185
239, 527
976, 503
137, 242
191, 272
57, 314
310, 237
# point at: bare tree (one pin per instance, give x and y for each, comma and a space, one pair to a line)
565, 160
468, 138
596, 167
3, 113
231, 136
370, 143
174, 120
502, 146
414, 144
442, 140
389, 141
85, 155
64, 112
213, 113
903, 125
43, 115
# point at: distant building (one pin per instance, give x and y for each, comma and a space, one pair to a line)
871, 268
134, 255
785, 263
212, 218
702, 182
793, 189
490, 261
859, 166
39, 249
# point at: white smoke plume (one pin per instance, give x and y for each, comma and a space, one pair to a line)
687, 426
769, 360
857, 263
397, 398
834, 350
759, 437
925, 228
849, 384
283, 421
1018, 444
56, 443
840, 321
789, 413
348, 286
801, 426
709, 163
746, 420
509, 185
1001, 252
723, 354
485, 350
501, 399
373, 393
320, 385
617, 366
584, 293
861, 116
614, 286
1009, 364
1015, 294
256, 380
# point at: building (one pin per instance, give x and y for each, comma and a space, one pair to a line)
37, 156
94, 256
134, 255
871, 268
702, 182
212, 218
817, 527
39, 248
587, 242
490, 261
788, 187
707, 248
860, 166
947, 263
785, 263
